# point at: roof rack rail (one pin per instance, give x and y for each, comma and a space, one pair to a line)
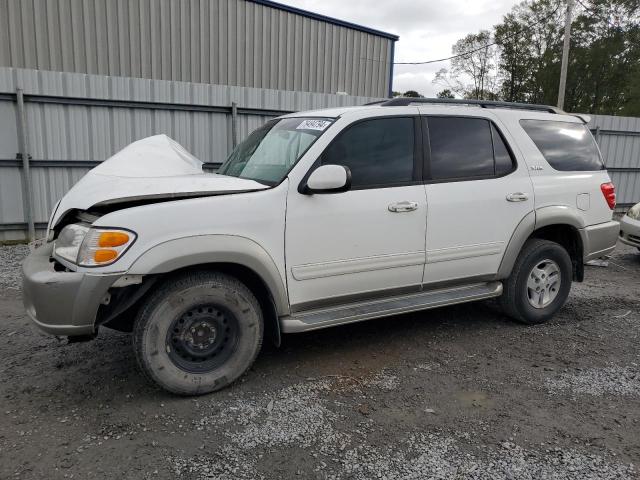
405, 101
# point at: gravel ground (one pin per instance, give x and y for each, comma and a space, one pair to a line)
10, 258
459, 392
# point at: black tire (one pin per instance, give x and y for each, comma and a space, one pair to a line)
515, 300
198, 332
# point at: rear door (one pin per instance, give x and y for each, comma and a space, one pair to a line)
478, 191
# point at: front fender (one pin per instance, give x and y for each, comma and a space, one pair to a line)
202, 249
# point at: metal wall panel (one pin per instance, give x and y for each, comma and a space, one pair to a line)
627, 188
225, 42
619, 141
74, 135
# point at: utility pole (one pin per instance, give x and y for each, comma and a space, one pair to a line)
565, 54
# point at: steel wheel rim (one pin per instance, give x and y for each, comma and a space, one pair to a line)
543, 283
202, 338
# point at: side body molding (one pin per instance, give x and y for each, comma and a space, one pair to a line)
201, 249
542, 217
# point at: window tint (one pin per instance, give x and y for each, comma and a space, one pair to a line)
378, 152
566, 146
504, 162
460, 147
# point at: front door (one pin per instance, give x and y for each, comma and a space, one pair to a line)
342, 247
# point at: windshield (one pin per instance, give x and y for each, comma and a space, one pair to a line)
272, 150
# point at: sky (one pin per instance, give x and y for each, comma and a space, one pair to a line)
427, 29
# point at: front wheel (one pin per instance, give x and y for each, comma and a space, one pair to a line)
539, 283
198, 332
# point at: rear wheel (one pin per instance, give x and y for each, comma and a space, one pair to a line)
198, 333
539, 283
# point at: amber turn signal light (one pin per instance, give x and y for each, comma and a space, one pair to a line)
104, 255
112, 239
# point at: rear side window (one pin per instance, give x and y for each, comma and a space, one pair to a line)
503, 159
566, 146
379, 152
466, 148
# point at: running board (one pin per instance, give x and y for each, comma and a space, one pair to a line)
356, 312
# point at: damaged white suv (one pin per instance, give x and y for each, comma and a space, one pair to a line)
319, 219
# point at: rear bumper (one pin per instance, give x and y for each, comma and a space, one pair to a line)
599, 240
59, 302
630, 231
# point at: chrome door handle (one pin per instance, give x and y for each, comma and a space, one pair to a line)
403, 207
517, 197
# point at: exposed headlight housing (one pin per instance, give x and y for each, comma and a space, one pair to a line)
70, 240
92, 247
634, 212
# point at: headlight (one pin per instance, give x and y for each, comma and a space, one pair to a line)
69, 241
92, 247
634, 212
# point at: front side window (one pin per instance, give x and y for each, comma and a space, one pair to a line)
272, 150
379, 152
566, 146
463, 147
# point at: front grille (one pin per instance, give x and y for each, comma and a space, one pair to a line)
634, 238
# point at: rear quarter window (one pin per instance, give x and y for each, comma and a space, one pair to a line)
566, 146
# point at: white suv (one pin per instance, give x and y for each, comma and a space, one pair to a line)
318, 219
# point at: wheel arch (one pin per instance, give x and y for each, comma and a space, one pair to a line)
560, 224
209, 250
239, 257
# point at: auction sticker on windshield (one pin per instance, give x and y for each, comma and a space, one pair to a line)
313, 125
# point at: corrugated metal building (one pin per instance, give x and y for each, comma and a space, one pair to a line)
99, 74
254, 43
74, 121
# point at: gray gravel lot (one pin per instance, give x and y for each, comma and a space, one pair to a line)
459, 392
10, 258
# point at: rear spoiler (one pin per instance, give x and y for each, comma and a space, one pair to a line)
585, 118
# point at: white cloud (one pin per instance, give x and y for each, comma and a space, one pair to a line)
427, 29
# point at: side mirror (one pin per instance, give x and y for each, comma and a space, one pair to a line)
328, 179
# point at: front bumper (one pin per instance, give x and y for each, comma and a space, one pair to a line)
61, 302
630, 231
599, 240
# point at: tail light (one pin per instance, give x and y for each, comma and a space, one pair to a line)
609, 192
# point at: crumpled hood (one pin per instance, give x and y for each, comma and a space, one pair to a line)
154, 167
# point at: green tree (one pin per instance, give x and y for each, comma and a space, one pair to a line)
604, 61
473, 72
529, 41
411, 93
524, 64
446, 93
